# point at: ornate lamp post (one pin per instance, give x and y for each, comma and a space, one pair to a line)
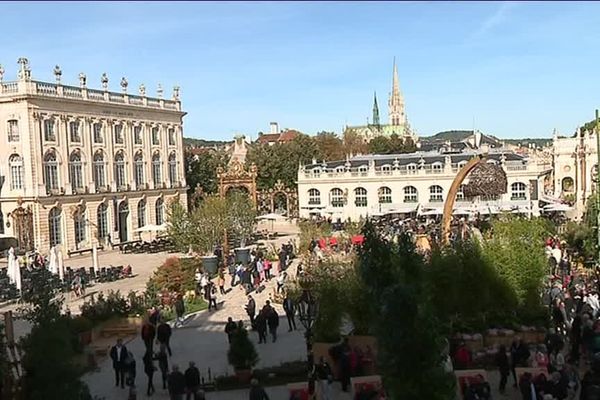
307, 310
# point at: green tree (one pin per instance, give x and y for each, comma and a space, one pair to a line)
330, 146
242, 216
201, 170
354, 143
179, 226
380, 145
242, 354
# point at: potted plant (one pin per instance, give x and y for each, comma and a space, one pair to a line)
242, 355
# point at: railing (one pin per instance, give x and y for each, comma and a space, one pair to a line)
153, 103
136, 100
516, 167
171, 105
95, 95
10, 87
117, 98
47, 89
70, 91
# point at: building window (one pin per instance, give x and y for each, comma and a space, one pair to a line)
337, 198
363, 170
316, 172
172, 169
437, 168
102, 221
172, 137
314, 197
75, 171
97, 127
386, 169
141, 213
13, 130
51, 172
155, 141
460, 193
1, 222
118, 134
410, 194
137, 134
156, 176
385, 195
79, 227
15, 163
99, 174
49, 134
568, 185
360, 197
412, 168
518, 191
340, 170
120, 171
160, 211
54, 228
138, 169
74, 131
435, 194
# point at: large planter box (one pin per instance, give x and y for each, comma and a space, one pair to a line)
242, 254
129, 323
210, 264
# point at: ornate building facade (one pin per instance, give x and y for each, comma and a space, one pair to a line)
81, 166
413, 183
397, 120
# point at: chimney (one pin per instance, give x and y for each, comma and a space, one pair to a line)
274, 127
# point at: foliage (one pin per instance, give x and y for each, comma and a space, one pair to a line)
175, 275
581, 238
242, 354
187, 141
192, 304
104, 307
516, 250
242, 216
4, 362
356, 300
47, 361
201, 171
330, 146
310, 230
354, 143
408, 334
179, 226
393, 144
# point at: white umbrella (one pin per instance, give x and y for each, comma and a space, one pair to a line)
17, 273
95, 258
61, 267
52, 267
10, 270
557, 207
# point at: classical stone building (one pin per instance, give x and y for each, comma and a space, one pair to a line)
79, 166
397, 120
414, 183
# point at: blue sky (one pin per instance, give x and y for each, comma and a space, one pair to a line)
515, 69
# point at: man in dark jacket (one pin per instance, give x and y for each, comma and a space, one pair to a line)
230, 328
192, 381
257, 392
290, 310
163, 335
179, 310
148, 335
260, 323
118, 354
273, 322
251, 310
176, 383
149, 370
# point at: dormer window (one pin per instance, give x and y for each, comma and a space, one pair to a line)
437, 167
386, 169
363, 169
412, 168
316, 172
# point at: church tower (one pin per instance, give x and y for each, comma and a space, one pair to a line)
375, 110
396, 103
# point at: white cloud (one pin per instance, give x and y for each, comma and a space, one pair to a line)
499, 17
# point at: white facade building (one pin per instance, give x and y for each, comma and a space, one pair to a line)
414, 182
78, 165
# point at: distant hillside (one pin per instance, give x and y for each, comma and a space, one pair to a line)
204, 143
462, 134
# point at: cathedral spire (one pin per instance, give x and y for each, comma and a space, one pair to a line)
375, 110
396, 103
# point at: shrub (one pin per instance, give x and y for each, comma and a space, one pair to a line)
242, 354
174, 276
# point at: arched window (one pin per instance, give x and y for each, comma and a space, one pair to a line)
120, 170
314, 197
15, 163
360, 197
138, 170
75, 170
518, 191
385, 195
13, 130
160, 211
102, 221
141, 213
336, 197
51, 171
172, 169
99, 171
435, 193
54, 226
460, 193
156, 178
568, 185
410, 194
79, 226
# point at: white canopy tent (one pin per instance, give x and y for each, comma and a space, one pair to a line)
52, 264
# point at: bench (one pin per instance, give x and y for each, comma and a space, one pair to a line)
120, 331
83, 251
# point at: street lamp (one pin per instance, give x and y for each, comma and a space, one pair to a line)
307, 310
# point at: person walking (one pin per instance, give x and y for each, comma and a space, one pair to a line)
118, 354
260, 323
325, 377
251, 310
230, 329
290, 310
221, 281
176, 384
257, 392
149, 370
192, 381
503, 366
179, 311
273, 322
148, 335
163, 364
163, 335
281, 278
130, 369
211, 291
